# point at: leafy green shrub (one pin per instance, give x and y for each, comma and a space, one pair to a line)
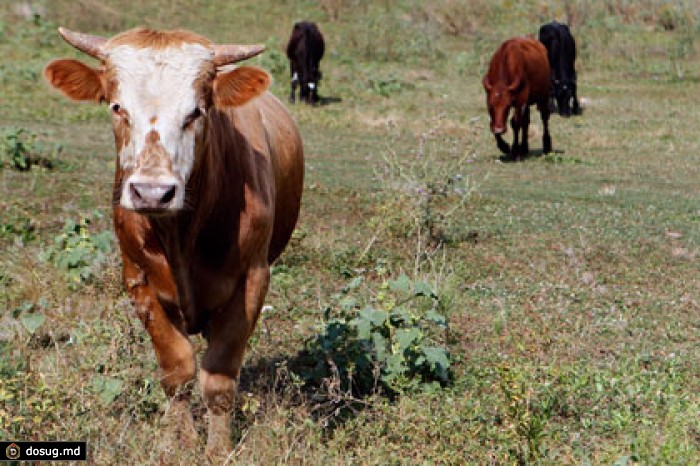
562, 159
20, 150
17, 144
31, 315
15, 224
77, 251
386, 87
392, 342
25, 319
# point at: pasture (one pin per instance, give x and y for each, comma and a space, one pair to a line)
569, 282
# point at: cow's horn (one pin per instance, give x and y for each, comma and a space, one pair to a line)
227, 54
92, 45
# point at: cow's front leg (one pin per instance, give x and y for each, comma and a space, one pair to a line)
525, 125
312, 96
173, 350
546, 137
577, 108
304, 90
293, 82
502, 144
515, 149
229, 331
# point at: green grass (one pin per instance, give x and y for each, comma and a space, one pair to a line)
570, 281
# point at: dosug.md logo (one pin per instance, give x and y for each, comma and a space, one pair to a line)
12, 451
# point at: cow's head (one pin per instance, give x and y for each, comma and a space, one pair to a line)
160, 86
563, 94
500, 97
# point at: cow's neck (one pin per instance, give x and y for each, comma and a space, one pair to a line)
199, 238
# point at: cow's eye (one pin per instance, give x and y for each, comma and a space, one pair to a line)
196, 113
120, 114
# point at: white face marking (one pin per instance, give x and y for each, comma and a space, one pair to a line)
312, 86
156, 88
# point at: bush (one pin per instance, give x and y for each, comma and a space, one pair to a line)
426, 192
16, 147
77, 251
17, 226
394, 342
19, 150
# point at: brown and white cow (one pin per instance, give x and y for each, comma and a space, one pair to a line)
518, 76
207, 191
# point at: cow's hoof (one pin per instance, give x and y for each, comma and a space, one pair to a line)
504, 147
547, 145
179, 433
218, 447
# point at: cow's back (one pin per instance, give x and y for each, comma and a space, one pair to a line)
294, 41
561, 49
306, 41
568, 52
550, 36
315, 43
523, 59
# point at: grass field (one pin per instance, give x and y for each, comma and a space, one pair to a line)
570, 281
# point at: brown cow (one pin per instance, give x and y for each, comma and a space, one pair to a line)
207, 192
518, 77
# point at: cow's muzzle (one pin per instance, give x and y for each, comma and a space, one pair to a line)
152, 196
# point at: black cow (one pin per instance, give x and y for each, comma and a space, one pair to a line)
305, 50
561, 51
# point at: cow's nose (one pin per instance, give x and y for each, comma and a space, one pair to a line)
498, 130
152, 195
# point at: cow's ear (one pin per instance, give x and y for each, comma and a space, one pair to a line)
238, 86
75, 79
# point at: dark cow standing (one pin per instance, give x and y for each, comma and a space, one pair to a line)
305, 50
561, 51
518, 77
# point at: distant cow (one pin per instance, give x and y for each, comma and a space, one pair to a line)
207, 190
561, 51
518, 77
305, 50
